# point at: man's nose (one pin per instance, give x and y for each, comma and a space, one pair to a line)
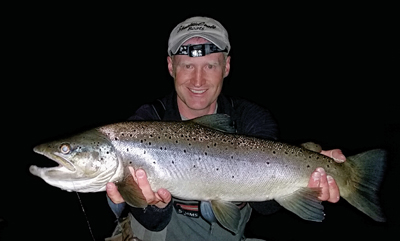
198, 78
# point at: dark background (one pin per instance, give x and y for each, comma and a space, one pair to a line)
325, 72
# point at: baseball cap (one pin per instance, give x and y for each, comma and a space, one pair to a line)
204, 27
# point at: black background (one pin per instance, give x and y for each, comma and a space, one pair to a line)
325, 72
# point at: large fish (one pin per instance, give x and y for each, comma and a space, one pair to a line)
203, 159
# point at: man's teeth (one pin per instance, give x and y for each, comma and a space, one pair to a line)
198, 91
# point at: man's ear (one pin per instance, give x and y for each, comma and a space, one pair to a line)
170, 66
227, 66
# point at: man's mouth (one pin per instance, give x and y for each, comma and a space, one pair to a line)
197, 91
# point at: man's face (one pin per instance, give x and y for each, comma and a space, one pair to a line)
198, 80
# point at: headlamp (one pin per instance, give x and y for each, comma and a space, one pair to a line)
198, 50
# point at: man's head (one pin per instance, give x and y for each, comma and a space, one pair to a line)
203, 27
198, 61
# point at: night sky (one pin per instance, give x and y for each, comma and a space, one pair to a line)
325, 75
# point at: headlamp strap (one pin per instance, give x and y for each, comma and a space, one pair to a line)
199, 50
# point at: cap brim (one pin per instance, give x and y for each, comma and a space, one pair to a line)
219, 43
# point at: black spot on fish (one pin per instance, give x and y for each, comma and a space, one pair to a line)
154, 162
149, 143
130, 162
194, 166
130, 135
116, 138
215, 144
308, 166
108, 152
231, 157
173, 162
328, 166
127, 149
144, 152
205, 153
176, 141
274, 152
217, 169
184, 151
233, 176
160, 148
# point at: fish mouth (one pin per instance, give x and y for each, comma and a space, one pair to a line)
57, 158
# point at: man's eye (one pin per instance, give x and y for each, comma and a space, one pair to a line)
188, 66
210, 66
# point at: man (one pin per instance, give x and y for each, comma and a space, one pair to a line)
198, 61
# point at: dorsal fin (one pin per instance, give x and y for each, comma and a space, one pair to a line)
220, 122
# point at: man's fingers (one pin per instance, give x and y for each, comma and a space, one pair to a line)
145, 187
334, 193
335, 154
164, 196
113, 194
324, 185
315, 179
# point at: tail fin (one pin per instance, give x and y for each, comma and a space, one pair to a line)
362, 186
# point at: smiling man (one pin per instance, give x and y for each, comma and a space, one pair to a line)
198, 61
198, 81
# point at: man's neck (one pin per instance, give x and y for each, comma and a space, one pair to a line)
187, 113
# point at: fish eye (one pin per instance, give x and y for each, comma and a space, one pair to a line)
65, 148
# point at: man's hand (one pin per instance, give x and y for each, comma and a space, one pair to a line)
319, 178
160, 199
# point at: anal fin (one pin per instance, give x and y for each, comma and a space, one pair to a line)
304, 203
131, 192
227, 214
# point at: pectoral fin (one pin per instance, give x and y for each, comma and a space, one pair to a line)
131, 192
304, 203
227, 214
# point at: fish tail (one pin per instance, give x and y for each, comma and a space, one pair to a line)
360, 188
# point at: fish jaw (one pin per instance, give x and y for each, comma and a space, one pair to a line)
65, 179
83, 166
55, 157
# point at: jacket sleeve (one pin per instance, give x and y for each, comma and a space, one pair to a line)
151, 217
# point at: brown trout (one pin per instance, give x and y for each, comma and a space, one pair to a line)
203, 159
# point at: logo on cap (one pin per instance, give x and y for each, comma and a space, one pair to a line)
196, 26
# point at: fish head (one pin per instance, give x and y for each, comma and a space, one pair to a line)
87, 161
